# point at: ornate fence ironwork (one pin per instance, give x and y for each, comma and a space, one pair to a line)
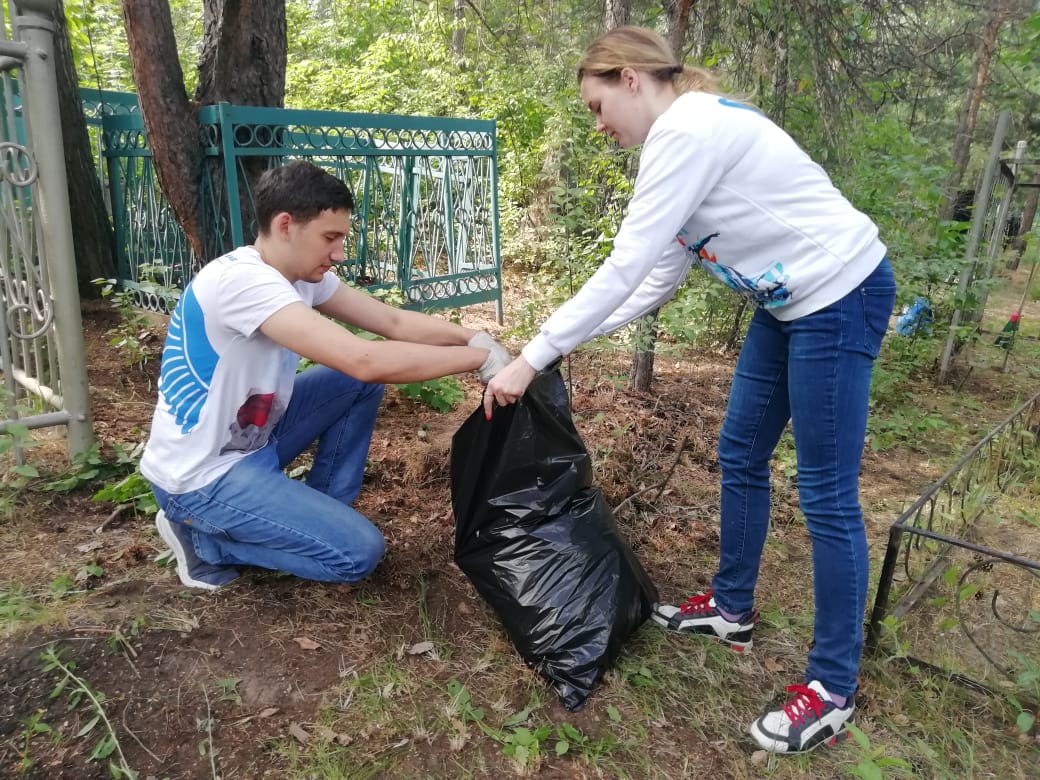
426, 189
41, 334
961, 574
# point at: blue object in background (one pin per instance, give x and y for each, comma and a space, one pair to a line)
916, 318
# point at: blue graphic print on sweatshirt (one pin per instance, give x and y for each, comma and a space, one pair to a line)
188, 363
766, 290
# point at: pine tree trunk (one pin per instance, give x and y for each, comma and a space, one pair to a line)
95, 252
243, 61
642, 376
998, 14
678, 12
615, 13
244, 52
170, 119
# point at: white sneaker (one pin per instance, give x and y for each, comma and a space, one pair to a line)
700, 615
192, 570
808, 720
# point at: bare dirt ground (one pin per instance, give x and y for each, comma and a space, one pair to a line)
260, 657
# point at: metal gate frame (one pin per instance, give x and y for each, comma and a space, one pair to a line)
41, 330
939, 531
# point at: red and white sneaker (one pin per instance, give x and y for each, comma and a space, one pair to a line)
700, 615
808, 720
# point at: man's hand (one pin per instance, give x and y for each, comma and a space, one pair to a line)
508, 385
497, 358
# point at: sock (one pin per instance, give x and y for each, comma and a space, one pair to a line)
839, 701
732, 617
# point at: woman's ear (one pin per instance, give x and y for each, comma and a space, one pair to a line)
630, 78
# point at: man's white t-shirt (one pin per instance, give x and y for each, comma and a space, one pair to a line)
223, 384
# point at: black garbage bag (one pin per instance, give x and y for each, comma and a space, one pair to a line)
539, 542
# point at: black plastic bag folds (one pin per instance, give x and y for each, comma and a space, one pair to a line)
539, 542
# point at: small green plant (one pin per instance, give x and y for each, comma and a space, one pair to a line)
132, 489
1028, 682
90, 467
570, 741
206, 745
18, 437
228, 688
78, 691
32, 727
526, 746
441, 395
461, 704
890, 627
873, 764
910, 427
16, 606
133, 336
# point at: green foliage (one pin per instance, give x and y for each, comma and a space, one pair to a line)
78, 691
525, 745
1026, 703
441, 395
873, 764
133, 337
17, 606
705, 314
16, 436
228, 689
32, 727
132, 489
90, 467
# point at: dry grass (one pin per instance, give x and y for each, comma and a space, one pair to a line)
327, 684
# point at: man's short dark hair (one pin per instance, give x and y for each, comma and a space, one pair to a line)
301, 189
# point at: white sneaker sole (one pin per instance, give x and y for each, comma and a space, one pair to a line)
774, 745
736, 647
162, 524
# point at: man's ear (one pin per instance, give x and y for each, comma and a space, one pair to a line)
280, 223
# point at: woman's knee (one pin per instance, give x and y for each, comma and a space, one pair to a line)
739, 460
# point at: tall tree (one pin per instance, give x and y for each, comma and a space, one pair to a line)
242, 61
678, 13
95, 255
987, 47
458, 29
616, 13
642, 374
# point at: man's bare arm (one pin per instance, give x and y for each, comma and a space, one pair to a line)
354, 307
306, 332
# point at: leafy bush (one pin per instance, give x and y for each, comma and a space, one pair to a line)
441, 394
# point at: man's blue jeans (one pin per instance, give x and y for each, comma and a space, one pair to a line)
256, 515
814, 371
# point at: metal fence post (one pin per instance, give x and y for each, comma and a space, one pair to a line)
34, 26
983, 195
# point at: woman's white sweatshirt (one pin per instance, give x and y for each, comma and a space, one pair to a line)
722, 187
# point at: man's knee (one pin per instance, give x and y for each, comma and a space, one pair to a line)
371, 552
367, 550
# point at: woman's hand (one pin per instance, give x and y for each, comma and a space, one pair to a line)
508, 385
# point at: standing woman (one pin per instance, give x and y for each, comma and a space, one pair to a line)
723, 188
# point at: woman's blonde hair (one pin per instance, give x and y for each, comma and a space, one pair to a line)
643, 50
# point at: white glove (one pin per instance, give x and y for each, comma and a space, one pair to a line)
497, 359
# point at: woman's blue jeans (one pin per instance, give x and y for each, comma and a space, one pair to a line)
256, 515
814, 371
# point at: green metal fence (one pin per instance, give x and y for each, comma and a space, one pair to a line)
426, 220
